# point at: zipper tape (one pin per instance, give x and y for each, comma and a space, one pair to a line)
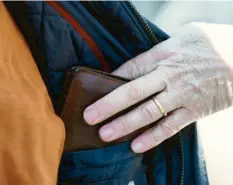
105, 66
152, 37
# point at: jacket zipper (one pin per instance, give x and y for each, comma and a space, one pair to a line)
143, 23
155, 41
182, 159
147, 30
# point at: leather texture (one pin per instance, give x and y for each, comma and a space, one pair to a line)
120, 37
83, 87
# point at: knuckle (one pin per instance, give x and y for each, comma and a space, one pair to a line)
133, 69
149, 111
147, 56
134, 92
167, 75
125, 126
168, 129
154, 139
177, 100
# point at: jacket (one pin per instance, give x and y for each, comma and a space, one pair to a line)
119, 33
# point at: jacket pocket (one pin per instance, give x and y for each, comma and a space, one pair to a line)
104, 166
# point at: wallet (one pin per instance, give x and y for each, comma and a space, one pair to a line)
83, 87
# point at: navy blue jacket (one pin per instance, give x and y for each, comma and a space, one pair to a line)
120, 36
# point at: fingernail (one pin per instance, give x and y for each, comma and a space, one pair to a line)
106, 133
91, 115
137, 147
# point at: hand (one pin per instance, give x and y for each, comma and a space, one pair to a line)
190, 75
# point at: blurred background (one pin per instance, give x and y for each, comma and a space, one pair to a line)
216, 130
170, 15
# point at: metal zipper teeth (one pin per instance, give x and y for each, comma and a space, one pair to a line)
143, 23
182, 160
155, 41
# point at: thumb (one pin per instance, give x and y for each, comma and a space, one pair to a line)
141, 64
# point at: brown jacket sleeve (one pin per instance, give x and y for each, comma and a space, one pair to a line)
31, 135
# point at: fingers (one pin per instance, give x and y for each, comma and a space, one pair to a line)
124, 97
166, 128
142, 64
141, 116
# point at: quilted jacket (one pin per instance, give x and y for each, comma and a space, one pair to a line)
119, 33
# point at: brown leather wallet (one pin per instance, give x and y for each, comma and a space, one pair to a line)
83, 87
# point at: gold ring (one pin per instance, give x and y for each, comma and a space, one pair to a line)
161, 108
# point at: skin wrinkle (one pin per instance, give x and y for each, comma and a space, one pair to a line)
197, 67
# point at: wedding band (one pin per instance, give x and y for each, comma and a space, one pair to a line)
161, 108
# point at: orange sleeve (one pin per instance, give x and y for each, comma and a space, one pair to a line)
31, 135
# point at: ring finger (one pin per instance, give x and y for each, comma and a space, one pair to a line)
139, 117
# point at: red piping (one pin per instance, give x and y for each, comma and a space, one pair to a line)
66, 15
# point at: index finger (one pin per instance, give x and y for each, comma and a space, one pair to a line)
124, 97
